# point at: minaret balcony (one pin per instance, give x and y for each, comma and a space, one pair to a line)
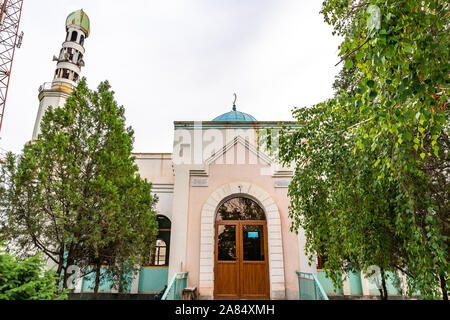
45, 86
64, 85
71, 44
68, 65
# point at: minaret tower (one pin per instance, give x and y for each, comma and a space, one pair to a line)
68, 68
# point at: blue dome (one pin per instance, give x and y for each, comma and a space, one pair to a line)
235, 116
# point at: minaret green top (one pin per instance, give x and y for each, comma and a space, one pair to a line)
81, 19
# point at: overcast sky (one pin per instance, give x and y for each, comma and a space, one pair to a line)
173, 60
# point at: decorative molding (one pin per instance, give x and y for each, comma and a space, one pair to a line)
192, 125
198, 173
157, 156
283, 174
162, 188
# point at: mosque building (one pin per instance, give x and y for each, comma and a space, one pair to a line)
223, 203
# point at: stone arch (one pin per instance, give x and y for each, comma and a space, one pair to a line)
275, 246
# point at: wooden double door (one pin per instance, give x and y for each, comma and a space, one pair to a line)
241, 268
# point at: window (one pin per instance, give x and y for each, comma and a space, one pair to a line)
65, 73
82, 40
321, 259
61, 54
74, 36
70, 54
227, 243
160, 253
253, 242
240, 208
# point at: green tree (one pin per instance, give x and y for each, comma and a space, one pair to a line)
402, 54
75, 193
346, 80
347, 214
27, 279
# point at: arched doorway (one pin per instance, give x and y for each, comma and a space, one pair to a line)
241, 269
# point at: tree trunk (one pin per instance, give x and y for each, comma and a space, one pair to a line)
443, 287
60, 267
70, 262
384, 295
66, 275
97, 281
59, 270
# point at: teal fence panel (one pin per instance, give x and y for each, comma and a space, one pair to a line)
309, 287
105, 285
354, 279
152, 280
391, 285
176, 286
89, 282
327, 284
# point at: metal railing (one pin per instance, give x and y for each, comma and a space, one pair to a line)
309, 287
45, 86
175, 289
58, 85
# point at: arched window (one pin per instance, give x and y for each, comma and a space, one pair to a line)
82, 40
61, 54
70, 53
75, 77
74, 36
240, 208
65, 73
160, 254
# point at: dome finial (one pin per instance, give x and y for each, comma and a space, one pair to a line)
79, 19
234, 103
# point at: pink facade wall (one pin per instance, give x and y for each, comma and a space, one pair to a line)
155, 167
222, 174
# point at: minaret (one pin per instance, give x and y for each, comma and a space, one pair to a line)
68, 68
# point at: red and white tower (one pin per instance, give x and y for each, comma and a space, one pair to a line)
10, 13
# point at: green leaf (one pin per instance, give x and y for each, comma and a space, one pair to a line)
348, 64
371, 83
422, 155
377, 163
408, 136
359, 56
436, 151
373, 94
408, 48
